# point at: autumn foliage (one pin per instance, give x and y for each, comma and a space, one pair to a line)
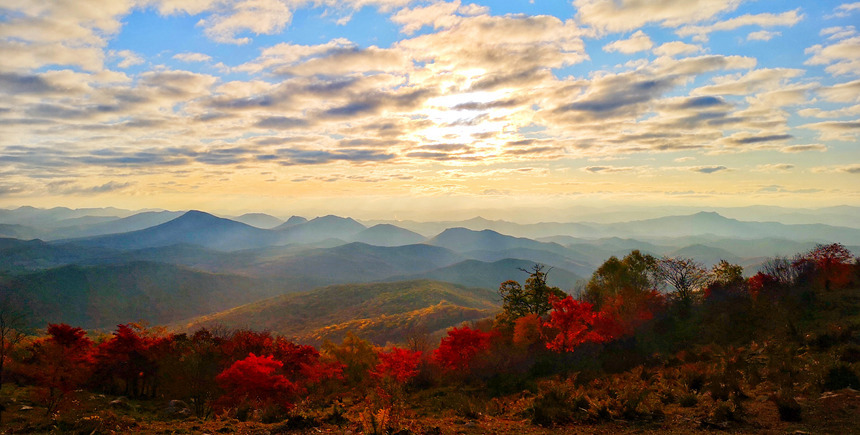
574, 323
59, 363
398, 365
459, 349
256, 379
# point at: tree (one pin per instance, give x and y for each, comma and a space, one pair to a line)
12, 323
459, 349
356, 356
255, 380
131, 358
60, 363
533, 298
574, 323
191, 368
725, 273
833, 264
398, 365
684, 274
634, 274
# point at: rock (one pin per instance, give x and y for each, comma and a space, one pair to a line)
120, 403
177, 409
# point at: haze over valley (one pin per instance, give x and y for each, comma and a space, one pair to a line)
100, 267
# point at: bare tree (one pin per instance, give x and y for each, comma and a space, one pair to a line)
781, 268
12, 323
684, 274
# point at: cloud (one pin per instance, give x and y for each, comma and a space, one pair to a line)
66, 187
11, 83
608, 169
625, 15
804, 148
36, 34
771, 167
128, 58
257, 16
758, 139
637, 42
758, 80
708, 169
437, 15
700, 33
192, 57
836, 130
676, 48
847, 169
848, 92
630, 93
296, 156
841, 57
281, 123
762, 35
846, 9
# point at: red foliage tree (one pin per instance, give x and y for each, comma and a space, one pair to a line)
131, 358
461, 347
576, 323
527, 330
399, 365
60, 363
761, 283
256, 379
833, 264
632, 311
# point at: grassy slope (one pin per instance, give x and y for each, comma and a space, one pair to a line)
378, 311
104, 296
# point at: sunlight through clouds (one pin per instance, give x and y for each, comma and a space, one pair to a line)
250, 93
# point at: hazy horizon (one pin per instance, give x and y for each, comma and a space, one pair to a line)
606, 214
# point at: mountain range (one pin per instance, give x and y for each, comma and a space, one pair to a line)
99, 267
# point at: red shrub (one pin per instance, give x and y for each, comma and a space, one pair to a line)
255, 380
459, 349
399, 365
576, 323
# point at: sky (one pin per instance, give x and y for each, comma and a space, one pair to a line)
419, 109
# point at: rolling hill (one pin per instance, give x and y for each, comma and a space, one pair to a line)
380, 312
388, 235
474, 273
104, 296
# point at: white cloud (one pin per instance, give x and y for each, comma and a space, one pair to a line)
700, 33
675, 48
846, 9
625, 15
637, 42
192, 57
256, 16
129, 58
56, 32
838, 32
841, 57
438, 15
762, 35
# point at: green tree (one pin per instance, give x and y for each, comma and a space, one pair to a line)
628, 278
533, 298
725, 273
357, 356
